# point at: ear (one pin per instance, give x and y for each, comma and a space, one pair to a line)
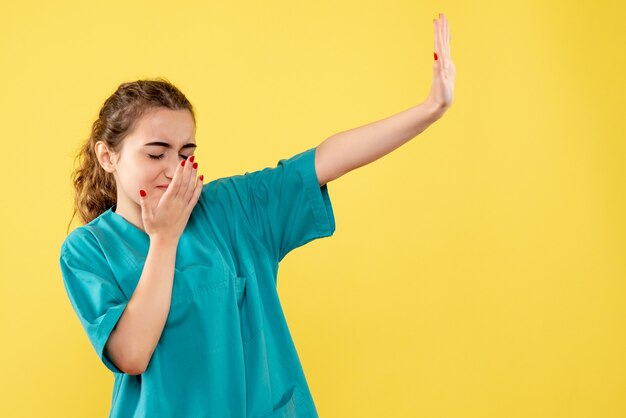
105, 157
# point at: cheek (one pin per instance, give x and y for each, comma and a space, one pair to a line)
142, 174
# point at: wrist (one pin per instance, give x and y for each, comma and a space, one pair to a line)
163, 241
435, 108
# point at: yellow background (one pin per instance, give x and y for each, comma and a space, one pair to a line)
477, 271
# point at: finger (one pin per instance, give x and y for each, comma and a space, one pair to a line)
442, 19
435, 46
192, 182
447, 30
146, 209
442, 45
174, 186
438, 46
196, 193
184, 178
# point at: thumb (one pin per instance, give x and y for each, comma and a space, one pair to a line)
146, 210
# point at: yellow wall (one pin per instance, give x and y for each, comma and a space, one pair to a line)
477, 271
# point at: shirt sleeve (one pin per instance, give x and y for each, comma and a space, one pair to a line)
284, 205
93, 291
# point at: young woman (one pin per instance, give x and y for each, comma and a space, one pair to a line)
174, 281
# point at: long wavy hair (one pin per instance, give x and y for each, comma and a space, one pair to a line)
95, 189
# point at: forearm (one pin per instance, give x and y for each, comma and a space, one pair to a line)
139, 329
347, 150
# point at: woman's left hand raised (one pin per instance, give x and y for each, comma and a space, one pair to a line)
444, 72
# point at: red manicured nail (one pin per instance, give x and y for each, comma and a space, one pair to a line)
142, 193
191, 158
195, 165
182, 163
435, 56
201, 177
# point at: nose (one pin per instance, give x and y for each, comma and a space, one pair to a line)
169, 172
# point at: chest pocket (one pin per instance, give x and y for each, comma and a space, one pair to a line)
199, 289
197, 280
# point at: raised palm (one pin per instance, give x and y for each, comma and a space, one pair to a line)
444, 72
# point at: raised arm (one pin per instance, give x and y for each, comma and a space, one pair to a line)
347, 150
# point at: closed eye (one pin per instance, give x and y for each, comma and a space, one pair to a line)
158, 157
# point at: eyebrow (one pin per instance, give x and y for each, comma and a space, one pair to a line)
167, 145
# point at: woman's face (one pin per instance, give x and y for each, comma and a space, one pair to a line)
149, 156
